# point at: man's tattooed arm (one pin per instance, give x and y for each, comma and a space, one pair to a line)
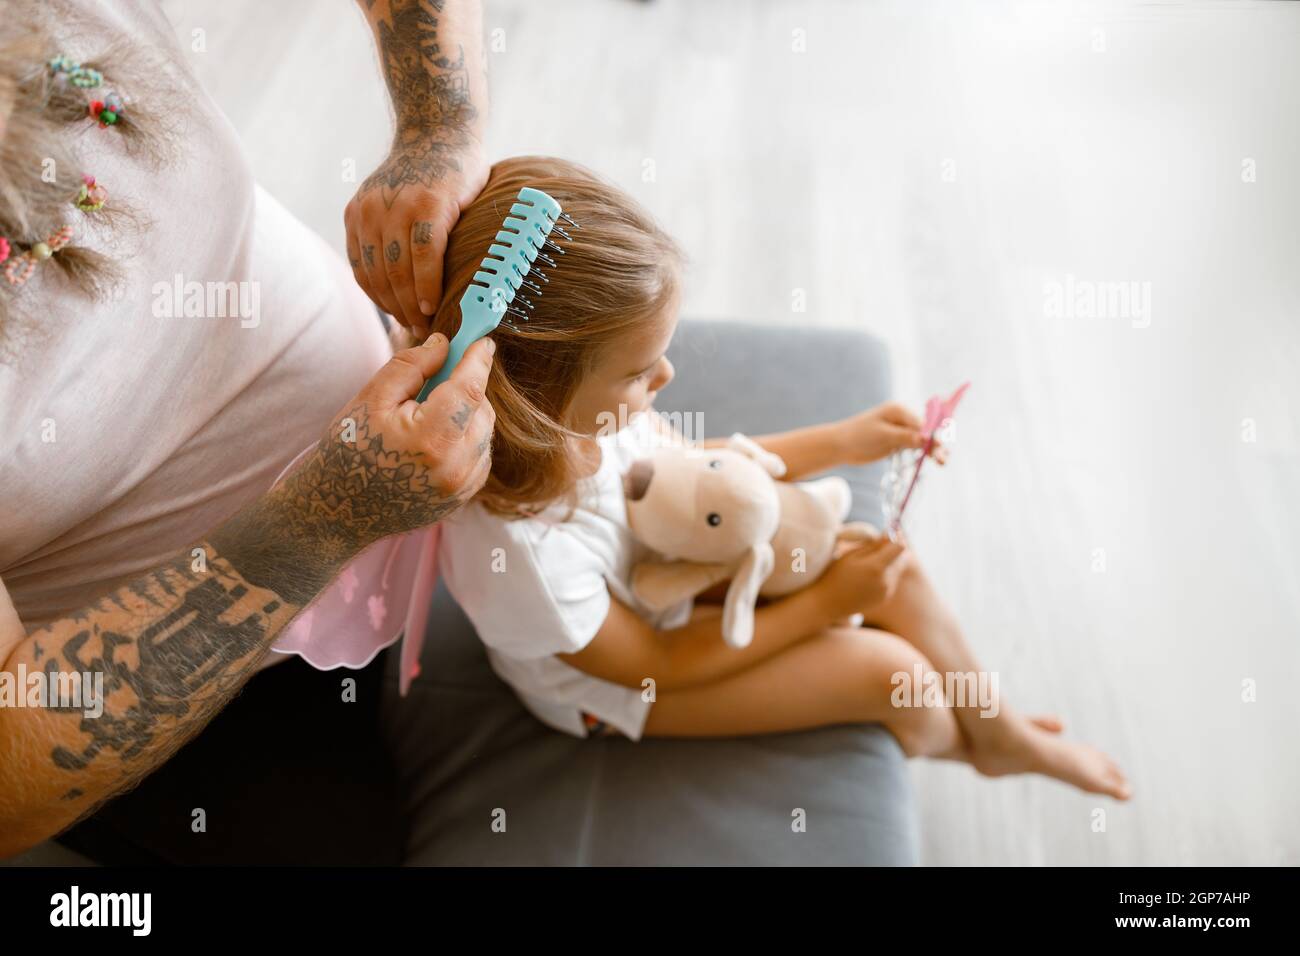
431, 56
174, 645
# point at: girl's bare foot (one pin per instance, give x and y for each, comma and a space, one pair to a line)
1032, 745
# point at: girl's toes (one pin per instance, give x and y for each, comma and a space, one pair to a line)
1108, 778
1119, 786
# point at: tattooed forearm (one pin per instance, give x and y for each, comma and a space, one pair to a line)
350, 493
174, 645
429, 84
171, 647
201, 633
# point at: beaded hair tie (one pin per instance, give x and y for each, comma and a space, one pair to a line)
66, 68
18, 269
91, 196
107, 111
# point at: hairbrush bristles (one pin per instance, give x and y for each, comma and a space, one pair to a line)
496, 288
526, 305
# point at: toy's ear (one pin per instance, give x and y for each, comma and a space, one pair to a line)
738, 610
661, 584
772, 463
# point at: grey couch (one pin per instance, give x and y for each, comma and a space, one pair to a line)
466, 748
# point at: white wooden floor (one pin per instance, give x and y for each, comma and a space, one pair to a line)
1121, 550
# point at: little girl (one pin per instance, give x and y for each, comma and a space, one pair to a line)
541, 559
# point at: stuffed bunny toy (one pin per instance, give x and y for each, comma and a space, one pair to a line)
718, 513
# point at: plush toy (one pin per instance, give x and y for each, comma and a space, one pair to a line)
718, 513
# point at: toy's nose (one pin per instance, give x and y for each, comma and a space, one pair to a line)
637, 479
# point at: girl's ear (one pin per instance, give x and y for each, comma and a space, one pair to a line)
771, 463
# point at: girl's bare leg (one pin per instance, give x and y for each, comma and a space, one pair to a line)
1008, 742
841, 676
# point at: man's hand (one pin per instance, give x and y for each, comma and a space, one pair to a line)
389, 464
398, 222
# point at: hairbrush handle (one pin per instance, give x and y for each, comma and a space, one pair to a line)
455, 352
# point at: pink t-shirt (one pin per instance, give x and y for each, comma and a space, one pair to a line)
128, 435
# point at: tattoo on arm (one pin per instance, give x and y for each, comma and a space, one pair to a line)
203, 636
430, 90
171, 647
350, 494
174, 645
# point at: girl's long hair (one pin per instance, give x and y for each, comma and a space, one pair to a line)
619, 270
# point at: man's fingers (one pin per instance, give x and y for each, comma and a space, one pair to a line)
397, 269
480, 433
406, 372
464, 450
483, 449
428, 245
354, 252
372, 260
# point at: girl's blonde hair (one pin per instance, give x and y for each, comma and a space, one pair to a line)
619, 270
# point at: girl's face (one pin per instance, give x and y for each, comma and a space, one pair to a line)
626, 378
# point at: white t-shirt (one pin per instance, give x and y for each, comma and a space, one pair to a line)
547, 589
128, 435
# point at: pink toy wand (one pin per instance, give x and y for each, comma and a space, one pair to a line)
937, 411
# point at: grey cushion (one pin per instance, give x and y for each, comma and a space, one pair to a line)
466, 748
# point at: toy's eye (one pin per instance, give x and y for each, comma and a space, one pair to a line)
716, 463
714, 519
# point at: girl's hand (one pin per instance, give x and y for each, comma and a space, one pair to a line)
879, 432
863, 577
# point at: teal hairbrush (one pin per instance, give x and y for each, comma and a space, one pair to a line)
523, 239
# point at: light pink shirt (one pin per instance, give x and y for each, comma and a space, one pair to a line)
127, 436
